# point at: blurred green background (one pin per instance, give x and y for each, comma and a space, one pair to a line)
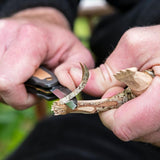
16, 125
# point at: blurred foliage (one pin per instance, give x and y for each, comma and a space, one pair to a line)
16, 125
82, 30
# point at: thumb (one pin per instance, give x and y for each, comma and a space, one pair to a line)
100, 79
125, 55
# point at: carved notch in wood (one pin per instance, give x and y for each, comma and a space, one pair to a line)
137, 81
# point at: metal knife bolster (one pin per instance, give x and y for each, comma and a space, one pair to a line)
61, 92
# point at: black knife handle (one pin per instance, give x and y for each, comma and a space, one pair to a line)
48, 96
43, 78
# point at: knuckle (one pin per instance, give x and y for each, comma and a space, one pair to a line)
4, 84
132, 38
35, 38
28, 28
30, 31
19, 106
124, 133
3, 23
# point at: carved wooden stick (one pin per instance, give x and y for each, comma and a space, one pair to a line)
136, 81
94, 106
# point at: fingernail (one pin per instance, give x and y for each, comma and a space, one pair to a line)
76, 72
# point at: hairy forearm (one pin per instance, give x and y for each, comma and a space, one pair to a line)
50, 15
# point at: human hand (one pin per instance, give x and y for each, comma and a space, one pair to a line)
139, 118
30, 38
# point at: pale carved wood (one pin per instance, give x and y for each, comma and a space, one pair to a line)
137, 81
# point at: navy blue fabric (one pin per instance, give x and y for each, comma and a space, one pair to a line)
123, 5
79, 137
67, 7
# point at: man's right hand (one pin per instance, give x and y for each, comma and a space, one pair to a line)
30, 38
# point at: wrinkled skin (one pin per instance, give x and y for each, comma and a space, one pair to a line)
139, 118
28, 40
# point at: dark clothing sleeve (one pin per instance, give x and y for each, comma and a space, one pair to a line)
67, 7
123, 5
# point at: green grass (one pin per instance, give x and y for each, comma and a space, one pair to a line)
16, 125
